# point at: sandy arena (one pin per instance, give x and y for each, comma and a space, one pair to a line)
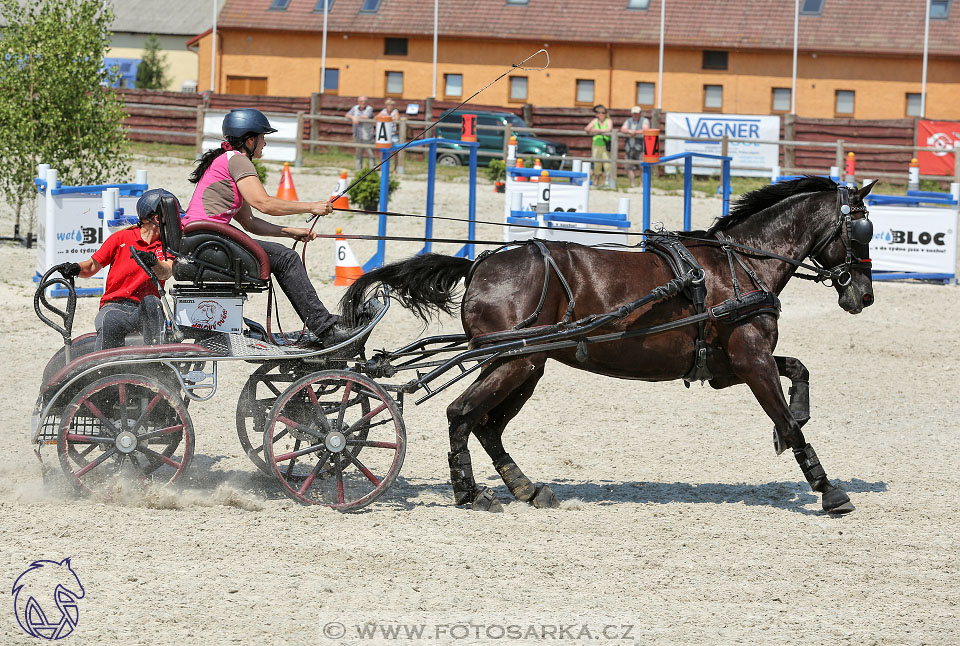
677, 524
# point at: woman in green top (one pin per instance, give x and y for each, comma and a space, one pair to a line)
600, 127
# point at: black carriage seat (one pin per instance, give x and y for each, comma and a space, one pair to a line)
213, 253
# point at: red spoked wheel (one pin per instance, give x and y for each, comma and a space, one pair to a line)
125, 427
316, 430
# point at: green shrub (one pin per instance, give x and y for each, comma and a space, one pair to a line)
366, 192
261, 170
497, 170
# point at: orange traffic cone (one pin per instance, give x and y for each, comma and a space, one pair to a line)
536, 166
286, 190
347, 267
341, 202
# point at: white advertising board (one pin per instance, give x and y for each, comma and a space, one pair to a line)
286, 129
914, 239
71, 231
735, 126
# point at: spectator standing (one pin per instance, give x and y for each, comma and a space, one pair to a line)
600, 128
390, 110
633, 128
362, 132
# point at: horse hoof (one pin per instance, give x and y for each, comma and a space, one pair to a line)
486, 501
544, 498
836, 501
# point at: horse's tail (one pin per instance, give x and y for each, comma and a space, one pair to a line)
425, 285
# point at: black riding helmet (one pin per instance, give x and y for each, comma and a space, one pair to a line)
243, 122
149, 202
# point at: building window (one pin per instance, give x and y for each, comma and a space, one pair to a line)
713, 97
370, 6
331, 80
395, 83
781, 99
251, 85
913, 105
518, 1
319, 7
640, 5
395, 46
585, 91
518, 88
645, 93
939, 9
714, 60
811, 7
453, 84
279, 5
844, 102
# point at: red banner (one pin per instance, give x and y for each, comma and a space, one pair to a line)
944, 135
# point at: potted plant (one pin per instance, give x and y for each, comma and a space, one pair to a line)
366, 192
497, 172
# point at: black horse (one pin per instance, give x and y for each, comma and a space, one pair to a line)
730, 275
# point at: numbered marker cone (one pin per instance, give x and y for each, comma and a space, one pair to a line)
341, 202
348, 269
286, 190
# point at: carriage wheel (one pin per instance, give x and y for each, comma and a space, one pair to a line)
315, 432
256, 399
128, 427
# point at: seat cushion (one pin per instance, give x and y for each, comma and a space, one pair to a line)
216, 246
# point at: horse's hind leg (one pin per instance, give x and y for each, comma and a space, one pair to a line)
759, 370
490, 435
484, 410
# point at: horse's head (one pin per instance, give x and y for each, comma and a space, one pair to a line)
845, 249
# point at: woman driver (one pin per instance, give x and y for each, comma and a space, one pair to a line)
227, 188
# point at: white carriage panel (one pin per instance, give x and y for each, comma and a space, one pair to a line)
219, 313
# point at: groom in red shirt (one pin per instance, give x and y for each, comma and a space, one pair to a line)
130, 300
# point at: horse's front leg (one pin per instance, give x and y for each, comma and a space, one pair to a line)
750, 351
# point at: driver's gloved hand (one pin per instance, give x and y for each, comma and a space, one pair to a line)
68, 269
145, 257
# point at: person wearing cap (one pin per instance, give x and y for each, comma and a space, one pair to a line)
130, 302
633, 128
600, 128
228, 188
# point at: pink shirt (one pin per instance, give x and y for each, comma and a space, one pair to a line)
216, 196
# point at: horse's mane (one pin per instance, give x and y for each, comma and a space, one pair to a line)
763, 198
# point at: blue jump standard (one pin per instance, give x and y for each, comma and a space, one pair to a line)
600, 219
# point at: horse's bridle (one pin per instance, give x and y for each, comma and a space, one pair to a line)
850, 231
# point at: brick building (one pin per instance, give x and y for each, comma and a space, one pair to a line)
856, 59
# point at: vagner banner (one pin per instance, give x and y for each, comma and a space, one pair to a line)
944, 135
920, 240
735, 126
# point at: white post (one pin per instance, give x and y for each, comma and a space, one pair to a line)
796, 31
623, 205
835, 172
50, 228
955, 190
213, 51
774, 174
141, 177
577, 166
323, 49
663, 12
436, 20
926, 43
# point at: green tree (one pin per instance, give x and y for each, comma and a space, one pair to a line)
55, 107
152, 72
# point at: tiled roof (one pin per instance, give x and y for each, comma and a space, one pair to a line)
855, 26
170, 17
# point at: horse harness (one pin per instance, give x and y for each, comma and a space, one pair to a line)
689, 273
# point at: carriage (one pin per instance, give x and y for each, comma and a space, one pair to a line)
327, 423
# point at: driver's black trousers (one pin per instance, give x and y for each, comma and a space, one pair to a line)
291, 275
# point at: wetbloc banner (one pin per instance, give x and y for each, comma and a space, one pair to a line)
914, 239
